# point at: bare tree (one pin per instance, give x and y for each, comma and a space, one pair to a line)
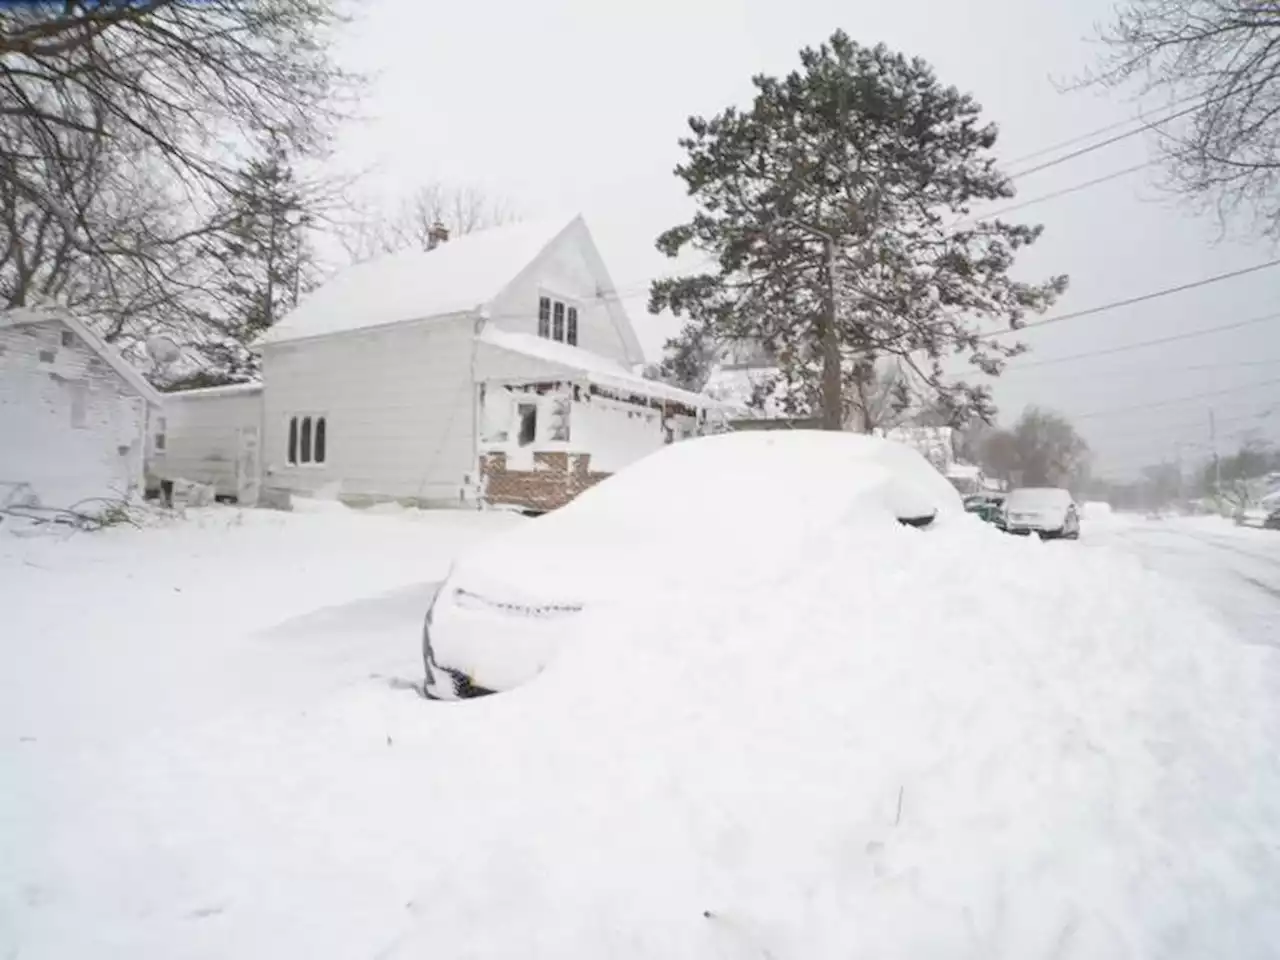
460, 210
1217, 64
122, 126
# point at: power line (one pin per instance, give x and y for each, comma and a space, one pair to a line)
1153, 432
1096, 133
1176, 400
1143, 344
1106, 178
1190, 367
1141, 298
1145, 126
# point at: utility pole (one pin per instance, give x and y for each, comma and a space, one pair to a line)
1213, 447
1177, 448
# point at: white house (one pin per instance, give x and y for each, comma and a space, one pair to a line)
497, 367
74, 416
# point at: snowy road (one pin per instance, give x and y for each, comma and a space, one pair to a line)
1235, 571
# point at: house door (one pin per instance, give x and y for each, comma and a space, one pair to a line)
248, 476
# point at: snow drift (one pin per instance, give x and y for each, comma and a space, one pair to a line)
904, 743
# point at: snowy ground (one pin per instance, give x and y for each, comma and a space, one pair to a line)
939, 743
1234, 570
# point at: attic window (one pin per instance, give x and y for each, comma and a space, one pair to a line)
544, 317
68, 338
557, 321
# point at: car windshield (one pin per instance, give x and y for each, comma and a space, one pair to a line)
1038, 498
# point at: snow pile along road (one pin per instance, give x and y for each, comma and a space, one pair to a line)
906, 743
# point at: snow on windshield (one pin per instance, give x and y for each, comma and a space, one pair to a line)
1038, 498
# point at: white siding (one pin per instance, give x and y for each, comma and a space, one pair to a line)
69, 424
615, 434
564, 271
399, 409
202, 437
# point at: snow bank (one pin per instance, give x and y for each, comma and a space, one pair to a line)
868, 753
722, 509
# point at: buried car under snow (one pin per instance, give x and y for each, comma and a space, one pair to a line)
681, 519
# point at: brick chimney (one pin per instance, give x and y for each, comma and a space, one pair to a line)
437, 234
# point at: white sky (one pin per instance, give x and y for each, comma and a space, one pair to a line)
577, 105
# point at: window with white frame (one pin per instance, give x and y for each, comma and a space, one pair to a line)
544, 317
557, 320
308, 439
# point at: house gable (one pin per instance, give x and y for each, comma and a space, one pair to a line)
73, 414
84, 351
571, 271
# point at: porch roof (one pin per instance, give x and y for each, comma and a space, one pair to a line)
518, 357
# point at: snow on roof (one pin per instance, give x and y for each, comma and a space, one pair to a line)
735, 386
959, 470
596, 369
108, 353
458, 276
226, 390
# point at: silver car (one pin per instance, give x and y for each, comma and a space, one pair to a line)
1049, 512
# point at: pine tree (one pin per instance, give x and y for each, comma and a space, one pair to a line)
264, 262
855, 162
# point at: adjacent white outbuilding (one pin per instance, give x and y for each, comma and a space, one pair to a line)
212, 436
74, 415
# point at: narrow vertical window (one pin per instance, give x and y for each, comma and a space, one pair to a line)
544, 316
557, 329
79, 405
306, 440
320, 440
293, 439
571, 334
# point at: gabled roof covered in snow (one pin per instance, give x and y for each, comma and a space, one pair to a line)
109, 355
574, 362
460, 276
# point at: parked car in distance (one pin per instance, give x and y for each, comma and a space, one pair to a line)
1265, 514
1047, 511
674, 524
988, 506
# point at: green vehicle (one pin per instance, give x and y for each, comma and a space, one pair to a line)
988, 506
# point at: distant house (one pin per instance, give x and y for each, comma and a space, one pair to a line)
74, 416
495, 368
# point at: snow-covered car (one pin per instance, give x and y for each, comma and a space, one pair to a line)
1096, 510
1046, 511
679, 520
1265, 514
988, 506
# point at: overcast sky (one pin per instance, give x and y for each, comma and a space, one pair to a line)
576, 105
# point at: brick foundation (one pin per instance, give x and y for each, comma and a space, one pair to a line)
555, 480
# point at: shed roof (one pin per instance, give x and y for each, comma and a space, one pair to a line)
459, 276
32, 315
573, 361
